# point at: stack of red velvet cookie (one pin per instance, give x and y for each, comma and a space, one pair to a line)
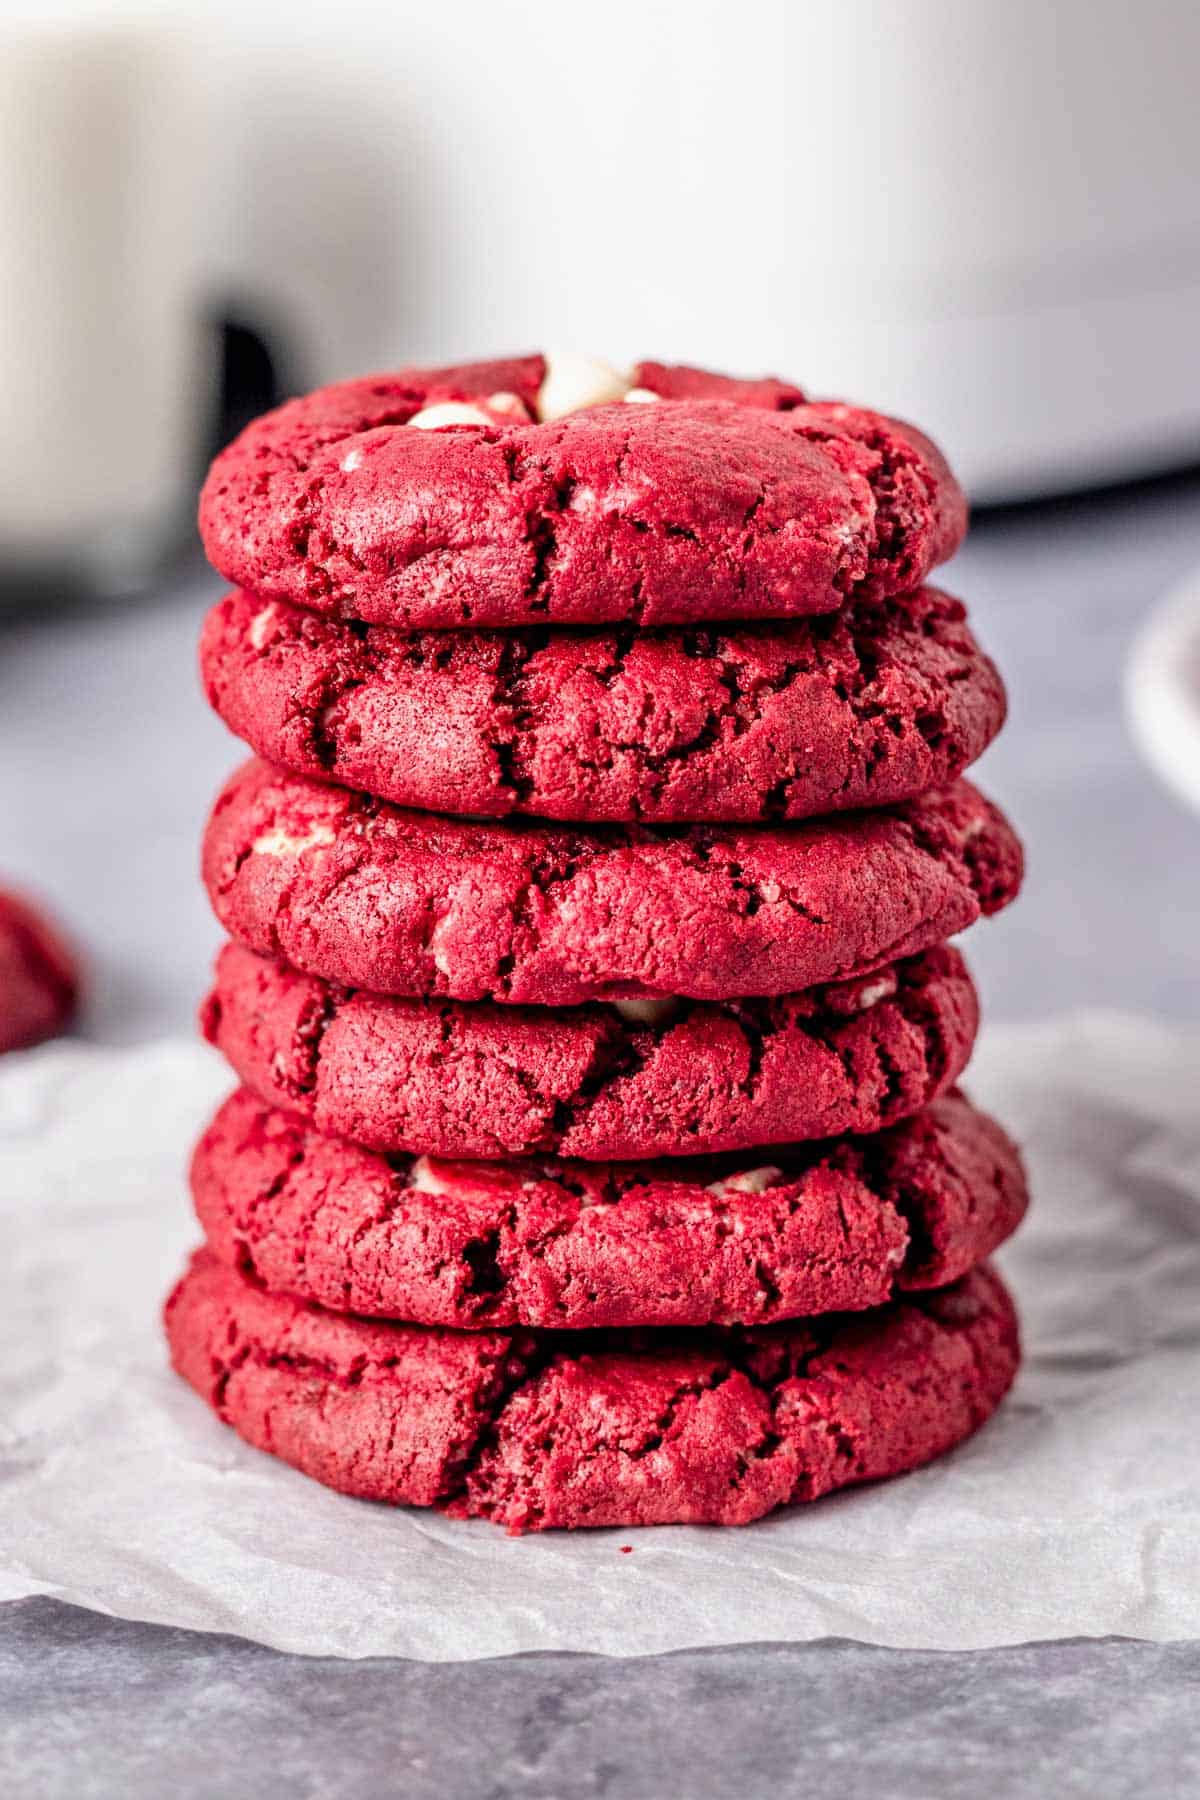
599, 1157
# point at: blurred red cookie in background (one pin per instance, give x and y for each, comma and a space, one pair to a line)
39, 976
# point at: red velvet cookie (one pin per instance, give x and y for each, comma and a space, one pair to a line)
537, 1431
449, 1079
680, 510
679, 381
39, 981
418, 904
871, 705
819, 1228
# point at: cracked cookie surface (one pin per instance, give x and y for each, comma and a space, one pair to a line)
39, 979
445, 1078
553, 1245
528, 913
741, 505
537, 1431
874, 704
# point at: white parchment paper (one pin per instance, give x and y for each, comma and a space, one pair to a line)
1076, 1512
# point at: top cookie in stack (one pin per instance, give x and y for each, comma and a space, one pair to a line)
514, 493
611, 811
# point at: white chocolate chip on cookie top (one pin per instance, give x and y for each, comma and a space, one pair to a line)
449, 412
573, 382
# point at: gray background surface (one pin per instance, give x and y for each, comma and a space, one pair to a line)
108, 761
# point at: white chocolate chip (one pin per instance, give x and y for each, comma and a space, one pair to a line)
646, 1012
574, 382
282, 843
449, 412
509, 404
770, 891
641, 397
750, 1181
260, 627
443, 956
351, 462
882, 988
424, 1177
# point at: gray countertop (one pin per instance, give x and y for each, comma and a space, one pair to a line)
97, 1707
109, 761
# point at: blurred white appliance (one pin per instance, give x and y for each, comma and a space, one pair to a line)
1162, 690
99, 341
985, 213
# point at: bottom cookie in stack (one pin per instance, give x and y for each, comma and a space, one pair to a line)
601, 1344
537, 1430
